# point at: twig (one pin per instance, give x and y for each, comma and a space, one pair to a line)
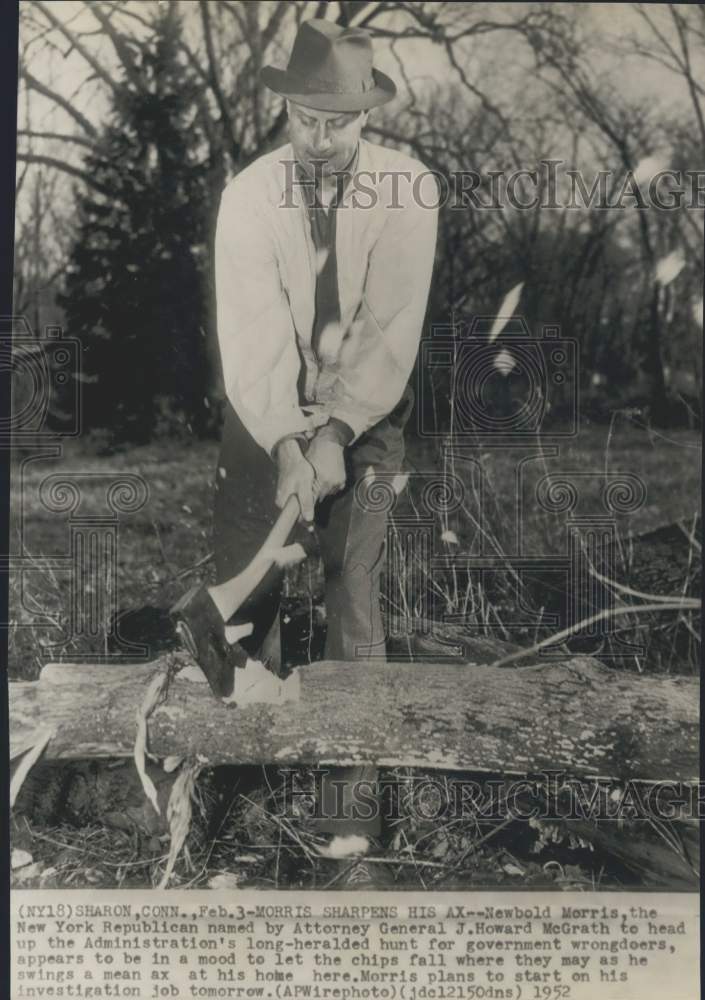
282, 824
196, 565
478, 843
601, 616
143, 863
414, 859
165, 558
385, 861
663, 598
690, 535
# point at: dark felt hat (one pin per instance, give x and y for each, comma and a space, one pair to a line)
330, 69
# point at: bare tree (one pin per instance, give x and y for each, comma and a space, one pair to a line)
562, 54
586, 270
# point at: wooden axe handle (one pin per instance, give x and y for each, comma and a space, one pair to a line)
242, 585
283, 525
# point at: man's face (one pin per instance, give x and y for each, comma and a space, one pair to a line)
331, 137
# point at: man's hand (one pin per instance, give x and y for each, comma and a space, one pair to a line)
327, 458
297, 476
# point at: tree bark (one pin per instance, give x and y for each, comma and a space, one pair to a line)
576, 716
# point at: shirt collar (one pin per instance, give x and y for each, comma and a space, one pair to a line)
310, 194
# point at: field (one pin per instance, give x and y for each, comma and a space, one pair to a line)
164, 548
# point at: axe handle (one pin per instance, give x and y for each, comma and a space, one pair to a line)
283, 525
242, 585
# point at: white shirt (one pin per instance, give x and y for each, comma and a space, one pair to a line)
265, 284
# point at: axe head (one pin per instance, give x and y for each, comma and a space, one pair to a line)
222, 662
255, 684
201, 630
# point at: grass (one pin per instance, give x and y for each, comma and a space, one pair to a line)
165, 547
501, 517
162, 549
244, 834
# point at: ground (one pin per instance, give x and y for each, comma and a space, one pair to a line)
164, 547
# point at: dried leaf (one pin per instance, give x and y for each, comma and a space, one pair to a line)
512, 869
440, 848
155, 692
30, 756
178, 814
19, 859
28, 872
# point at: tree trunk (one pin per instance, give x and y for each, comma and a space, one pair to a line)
576, 716
664, 561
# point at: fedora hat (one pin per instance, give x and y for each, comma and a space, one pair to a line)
330, 69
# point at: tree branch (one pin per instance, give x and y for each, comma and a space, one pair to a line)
78, 139
35, 84
67, 168
235, 148
120, 45
56, 22
687, 72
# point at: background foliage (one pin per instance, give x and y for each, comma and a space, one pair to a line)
134, 116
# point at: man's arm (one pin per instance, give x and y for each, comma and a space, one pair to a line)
255, 330
377, 358
257, 343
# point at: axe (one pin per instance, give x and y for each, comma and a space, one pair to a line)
254, 683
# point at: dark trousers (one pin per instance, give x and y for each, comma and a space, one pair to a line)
351, 538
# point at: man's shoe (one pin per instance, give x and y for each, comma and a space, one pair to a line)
202, 631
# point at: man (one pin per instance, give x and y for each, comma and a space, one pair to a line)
324, 252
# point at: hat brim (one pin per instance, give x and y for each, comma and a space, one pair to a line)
281, 83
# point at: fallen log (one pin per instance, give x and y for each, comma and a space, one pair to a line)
577, 716
665, 560
640, 848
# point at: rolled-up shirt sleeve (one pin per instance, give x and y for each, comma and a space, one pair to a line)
256, 333
377, 358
